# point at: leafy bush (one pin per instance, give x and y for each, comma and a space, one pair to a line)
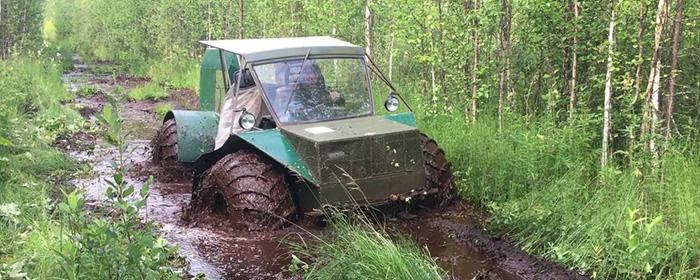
118, 246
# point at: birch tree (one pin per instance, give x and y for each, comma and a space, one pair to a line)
475, 61
640, 51
368, 27
240, 19
504, 81
607, 118
677, 22
651, 104
573, 97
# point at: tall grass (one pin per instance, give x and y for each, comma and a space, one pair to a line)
545, 191
359, 249
31, 116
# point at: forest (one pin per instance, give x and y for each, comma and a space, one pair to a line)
572, 124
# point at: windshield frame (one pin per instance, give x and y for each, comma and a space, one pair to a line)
312, 56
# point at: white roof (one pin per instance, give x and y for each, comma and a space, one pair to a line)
254, 50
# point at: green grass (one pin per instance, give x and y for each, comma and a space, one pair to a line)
162, 109
359, 249
545, 191
151, 91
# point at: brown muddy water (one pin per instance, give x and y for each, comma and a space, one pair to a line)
455, 237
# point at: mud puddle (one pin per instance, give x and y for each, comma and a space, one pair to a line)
454, 237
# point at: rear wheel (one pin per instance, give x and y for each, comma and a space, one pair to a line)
438, 171
164, 144
248, 189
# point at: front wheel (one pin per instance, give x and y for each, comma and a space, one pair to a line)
438, 171
164, 144
248, 189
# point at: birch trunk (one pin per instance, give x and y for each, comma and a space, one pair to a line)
573, 97
391, 59
607, 118
208, 20
475, 63
2, 33
240, 19
508, 13
640, 57
501, 81
674, 68
227, 21
368, 27
652, 91
655, 109
504, 75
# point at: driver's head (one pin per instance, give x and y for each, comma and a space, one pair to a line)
310, 73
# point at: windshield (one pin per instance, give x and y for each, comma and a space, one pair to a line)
316, 89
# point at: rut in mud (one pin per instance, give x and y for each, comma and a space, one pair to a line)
455, 236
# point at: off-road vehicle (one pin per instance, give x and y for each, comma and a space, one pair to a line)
287, 125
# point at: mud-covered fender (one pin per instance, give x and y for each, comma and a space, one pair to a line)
274, 144
196, 131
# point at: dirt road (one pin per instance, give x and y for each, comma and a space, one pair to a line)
455, 236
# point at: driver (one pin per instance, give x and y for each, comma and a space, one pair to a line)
312, 86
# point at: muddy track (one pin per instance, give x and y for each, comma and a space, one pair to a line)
455, 236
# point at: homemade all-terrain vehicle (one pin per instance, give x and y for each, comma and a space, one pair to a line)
288, 125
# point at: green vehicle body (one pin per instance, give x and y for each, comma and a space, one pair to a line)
378, 164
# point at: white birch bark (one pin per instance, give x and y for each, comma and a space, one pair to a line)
607, 117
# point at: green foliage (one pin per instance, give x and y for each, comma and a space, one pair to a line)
45, 231
357, 249
175, 73
151, 91
543, 188
20, 34
118, 246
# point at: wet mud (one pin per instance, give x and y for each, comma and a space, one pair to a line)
455, 236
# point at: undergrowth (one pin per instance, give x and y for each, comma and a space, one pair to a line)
45, 230
545, 191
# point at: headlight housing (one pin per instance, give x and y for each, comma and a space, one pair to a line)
246, 120
392, 103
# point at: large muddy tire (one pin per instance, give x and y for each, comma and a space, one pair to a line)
164, 144
248, 189
438, 171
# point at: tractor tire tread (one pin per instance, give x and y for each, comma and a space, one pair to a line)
253, 188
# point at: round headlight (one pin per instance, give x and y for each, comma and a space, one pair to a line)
247, 120
392, 103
